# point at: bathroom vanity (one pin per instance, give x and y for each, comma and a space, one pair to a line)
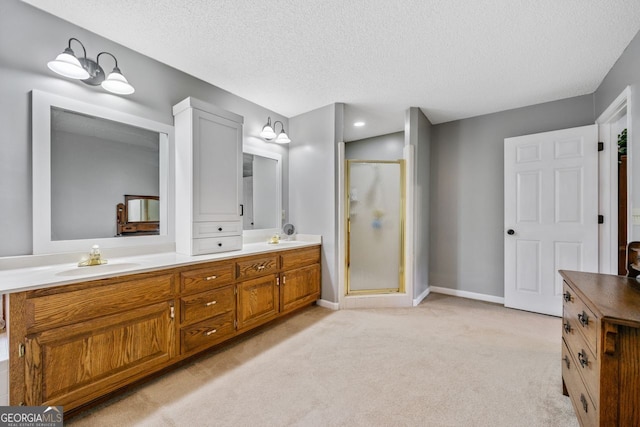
73, 343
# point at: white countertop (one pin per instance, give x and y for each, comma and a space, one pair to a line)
41, 276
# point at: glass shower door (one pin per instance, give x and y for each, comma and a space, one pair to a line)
375, 219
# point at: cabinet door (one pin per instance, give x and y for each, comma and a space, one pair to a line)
74, 364
257, 301
217, 168
299, 287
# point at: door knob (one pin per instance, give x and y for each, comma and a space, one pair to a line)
510, 232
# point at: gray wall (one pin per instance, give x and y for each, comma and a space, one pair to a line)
467, 190
313, 184
418, 132
382, 147
29, 38
626, 72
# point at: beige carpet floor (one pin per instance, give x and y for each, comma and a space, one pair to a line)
448, 362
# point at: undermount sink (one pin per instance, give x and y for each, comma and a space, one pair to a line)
97, 269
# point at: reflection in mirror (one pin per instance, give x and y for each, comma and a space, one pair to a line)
85, 158
262, 205
138, 215
94, 162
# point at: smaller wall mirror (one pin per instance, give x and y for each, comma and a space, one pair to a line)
262, 189
138, 215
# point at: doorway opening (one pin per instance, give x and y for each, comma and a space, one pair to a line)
375, 226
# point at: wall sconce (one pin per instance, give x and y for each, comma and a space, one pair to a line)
268, 133
89, 71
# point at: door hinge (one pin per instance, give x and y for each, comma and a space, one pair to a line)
600, 219
600, 146
21, 350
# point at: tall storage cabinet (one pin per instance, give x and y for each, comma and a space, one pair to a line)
208, 178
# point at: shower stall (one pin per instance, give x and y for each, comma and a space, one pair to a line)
375, 217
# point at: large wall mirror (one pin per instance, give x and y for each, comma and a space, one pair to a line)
262, 189
86, 159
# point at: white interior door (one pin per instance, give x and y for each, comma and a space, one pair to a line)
551, 214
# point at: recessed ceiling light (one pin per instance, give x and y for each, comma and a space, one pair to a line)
358, 124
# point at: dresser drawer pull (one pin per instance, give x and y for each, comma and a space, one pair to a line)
585, 405
567, 327
211, 332
583, 318
260, 267
210, 303
567, 296
583, 359
566, 360
210, 277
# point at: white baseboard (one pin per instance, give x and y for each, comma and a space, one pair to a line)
422, 296
328, 304
467, 294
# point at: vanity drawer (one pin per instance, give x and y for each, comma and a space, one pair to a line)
256, 267
213, 229
580, 398
214, 245
114, 296
208, 332
580, 317
204, 279
300, 258
195, 308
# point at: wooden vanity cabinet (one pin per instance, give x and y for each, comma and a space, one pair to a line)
300, 278
85, 340
78, 342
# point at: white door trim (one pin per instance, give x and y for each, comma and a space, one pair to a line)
608, 182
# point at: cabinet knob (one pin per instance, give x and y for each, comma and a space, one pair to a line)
220, 244
567, 327
219, 228
511, 232
567, 296
583, 318
582, 358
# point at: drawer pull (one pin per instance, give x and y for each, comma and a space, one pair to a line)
585, 405
567, 327
583, 318
566, 360
219, 228
210, 303
260, 267
583, 359
211, 332
567, 296
210, 277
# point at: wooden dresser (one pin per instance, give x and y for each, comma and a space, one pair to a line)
601, 348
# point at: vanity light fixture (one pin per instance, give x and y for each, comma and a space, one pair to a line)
89, 71
269, 134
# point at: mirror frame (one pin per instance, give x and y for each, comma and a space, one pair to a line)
41, 104
278, 158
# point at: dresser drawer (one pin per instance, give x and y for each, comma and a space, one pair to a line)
580, 398
214, 229
207, 332
585, 361
300, 258
214, 245
195, 308
256, 267
577, 313
202, 279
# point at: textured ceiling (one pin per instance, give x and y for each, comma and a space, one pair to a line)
452, 58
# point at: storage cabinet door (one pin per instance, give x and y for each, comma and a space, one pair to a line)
299, 287
74, 364
217, 168
257, 301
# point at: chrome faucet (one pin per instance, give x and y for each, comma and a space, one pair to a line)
95, 258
